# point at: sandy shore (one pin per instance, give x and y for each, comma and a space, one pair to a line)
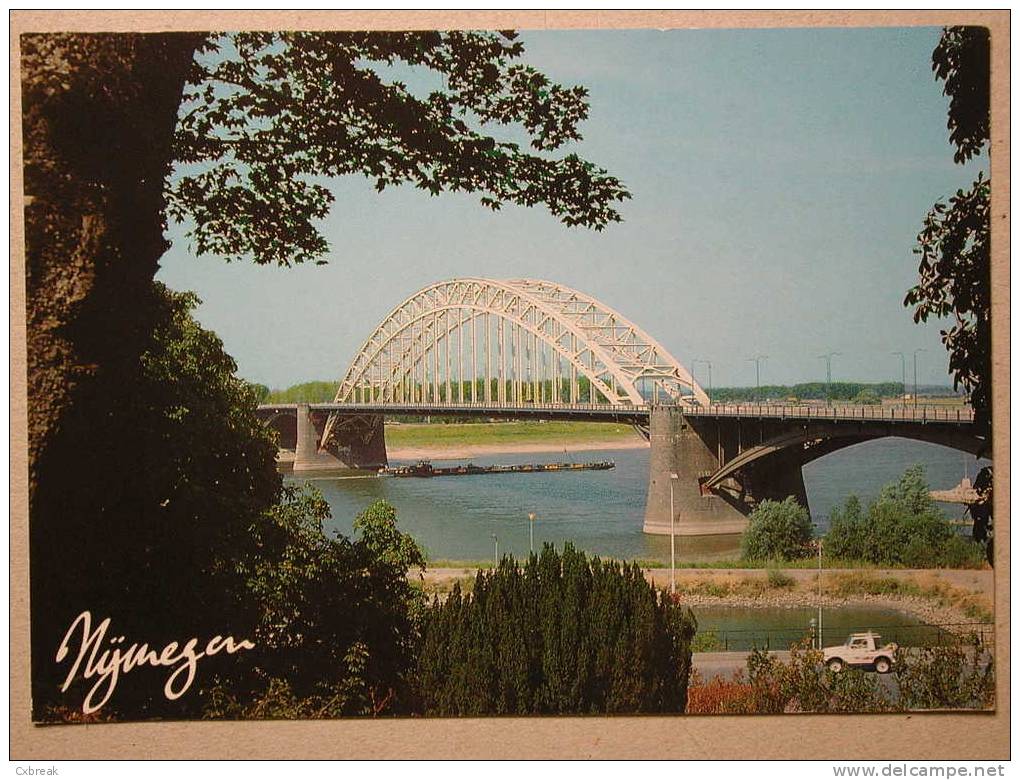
439, 452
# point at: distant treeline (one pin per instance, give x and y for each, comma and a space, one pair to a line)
812, 391
319, 392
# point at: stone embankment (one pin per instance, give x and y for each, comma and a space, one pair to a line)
936, 596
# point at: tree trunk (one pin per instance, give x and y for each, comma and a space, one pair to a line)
98, 118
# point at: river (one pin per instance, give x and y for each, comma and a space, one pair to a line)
601, 512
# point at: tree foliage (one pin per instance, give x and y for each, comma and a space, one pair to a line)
962, 60
148, 469
903, 526
265, 114
158, 555
837, 391
778, 531
954, 244
558, 635
337, 623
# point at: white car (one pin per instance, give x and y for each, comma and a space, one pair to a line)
863, 649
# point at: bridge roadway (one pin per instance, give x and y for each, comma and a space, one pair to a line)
639, 414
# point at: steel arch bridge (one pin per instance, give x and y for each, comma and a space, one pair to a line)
511, 343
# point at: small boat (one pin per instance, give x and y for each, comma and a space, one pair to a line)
424, 468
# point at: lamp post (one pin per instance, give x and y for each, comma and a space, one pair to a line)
903, 374
819, 590
673, 476
919, 349
495, 540
827, 357
709, 364
757, 359
531, 525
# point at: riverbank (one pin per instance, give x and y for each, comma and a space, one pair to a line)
455, 441
934, 596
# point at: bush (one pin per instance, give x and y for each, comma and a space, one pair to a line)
903, 527
772, 686
706, 642
778, 531
956, 676
781, 580
558, 635
337, 631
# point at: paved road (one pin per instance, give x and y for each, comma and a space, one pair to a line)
724, 665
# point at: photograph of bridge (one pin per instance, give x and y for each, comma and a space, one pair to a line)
462, 373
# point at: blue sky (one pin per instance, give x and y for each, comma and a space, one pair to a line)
779, 178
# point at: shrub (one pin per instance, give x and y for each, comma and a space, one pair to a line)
560, 634
337, 632
706, 642
778, 531
956, 676
779, 579
902, 527
720, 695
803, 684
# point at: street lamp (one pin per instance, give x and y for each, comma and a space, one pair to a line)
495, 540
757, 359
819, 589
827, 357
919, 349
709, 364
673, 476
531, 524
903, 374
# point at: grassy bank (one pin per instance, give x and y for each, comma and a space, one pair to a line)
828, 564
557, 434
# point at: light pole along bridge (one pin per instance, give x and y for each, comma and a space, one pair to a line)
532, 349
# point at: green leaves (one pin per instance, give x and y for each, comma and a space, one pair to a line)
902, 527
778, 531
954, 244
955, 281
274, 110
337, 626
962, 61
558, 635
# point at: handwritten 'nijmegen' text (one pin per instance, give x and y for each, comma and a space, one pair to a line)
106, 664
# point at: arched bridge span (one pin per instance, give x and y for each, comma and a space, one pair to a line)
534, 349
509, 343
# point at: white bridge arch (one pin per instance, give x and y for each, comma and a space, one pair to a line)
511, 343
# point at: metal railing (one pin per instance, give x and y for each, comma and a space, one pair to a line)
921, 635
864, 413
867, 413
482, 406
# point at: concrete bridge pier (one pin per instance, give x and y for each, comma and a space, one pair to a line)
357, 441
678, 448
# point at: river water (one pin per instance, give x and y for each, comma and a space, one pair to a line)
601, 512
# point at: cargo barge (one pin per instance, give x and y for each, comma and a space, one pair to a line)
424, 468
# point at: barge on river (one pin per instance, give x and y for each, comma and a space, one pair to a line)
424, 468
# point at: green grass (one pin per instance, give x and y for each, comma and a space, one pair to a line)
560, 434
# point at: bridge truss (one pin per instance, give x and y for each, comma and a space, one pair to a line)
510, 343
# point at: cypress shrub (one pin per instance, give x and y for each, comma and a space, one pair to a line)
560, 634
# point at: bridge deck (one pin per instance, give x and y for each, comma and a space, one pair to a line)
639, 413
